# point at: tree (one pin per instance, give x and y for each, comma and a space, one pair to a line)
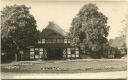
89, 29
17, 26
124, 31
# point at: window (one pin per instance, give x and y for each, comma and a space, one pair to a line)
60, 41
37, 56
65, 40
49, 40
41, 52
69, 56
73, 55
39, 41
77, 49
31, 49
69, 51
36, 48
43, 40
46, 40
31, 55
77, 52
21, 52
77, 55
68, 41
41, 49
53, 40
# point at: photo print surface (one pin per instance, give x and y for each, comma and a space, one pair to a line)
57, 39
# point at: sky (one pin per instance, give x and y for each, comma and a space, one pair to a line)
62, 12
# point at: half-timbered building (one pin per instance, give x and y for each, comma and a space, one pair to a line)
53, 45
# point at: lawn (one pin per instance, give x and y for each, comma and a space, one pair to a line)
66, 66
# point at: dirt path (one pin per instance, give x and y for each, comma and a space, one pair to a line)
99, 75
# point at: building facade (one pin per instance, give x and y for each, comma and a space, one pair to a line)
52, 45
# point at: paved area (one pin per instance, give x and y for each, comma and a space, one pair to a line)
99, 75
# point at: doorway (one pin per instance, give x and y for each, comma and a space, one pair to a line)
54, 53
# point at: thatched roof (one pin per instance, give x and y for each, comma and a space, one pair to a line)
54, 27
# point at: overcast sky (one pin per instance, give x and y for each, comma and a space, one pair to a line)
62, 12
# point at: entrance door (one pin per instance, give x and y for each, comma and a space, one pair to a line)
55, 53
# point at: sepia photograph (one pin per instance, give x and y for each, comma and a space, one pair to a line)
64, 39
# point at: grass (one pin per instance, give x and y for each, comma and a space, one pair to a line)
66, 66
